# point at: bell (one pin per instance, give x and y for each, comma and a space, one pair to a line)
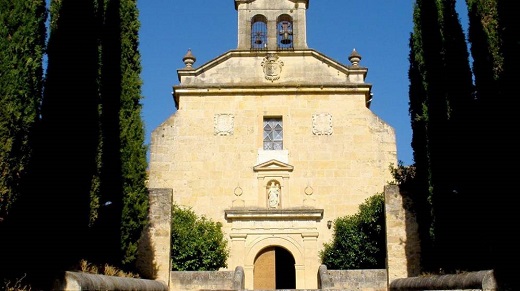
258, 37
285, 38
285, 32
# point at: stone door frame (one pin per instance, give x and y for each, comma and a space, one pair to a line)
293, 229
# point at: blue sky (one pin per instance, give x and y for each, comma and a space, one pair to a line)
379, 30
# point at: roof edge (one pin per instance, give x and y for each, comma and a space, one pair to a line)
237, 2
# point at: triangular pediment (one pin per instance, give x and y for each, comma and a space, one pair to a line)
297, 62
273, 165
244, 72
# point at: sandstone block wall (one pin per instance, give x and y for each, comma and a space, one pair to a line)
366, 280
373, 280
202, 280
334, 172
153, 260
402, 238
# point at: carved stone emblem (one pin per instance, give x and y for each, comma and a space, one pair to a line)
224, 124
272, 67
322, 124
308, 190
238, 191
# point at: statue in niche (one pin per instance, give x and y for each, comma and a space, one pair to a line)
273, 194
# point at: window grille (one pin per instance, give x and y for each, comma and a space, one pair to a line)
259, 33
273, 133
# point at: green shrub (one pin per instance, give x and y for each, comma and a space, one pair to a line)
358, 240
198, 243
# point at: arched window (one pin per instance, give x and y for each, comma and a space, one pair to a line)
259, 32
284, 26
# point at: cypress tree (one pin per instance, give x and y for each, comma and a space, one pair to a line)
505, 131
461, 221
111, 192
428, 57
494, 34
123, 170
485, 39
419, 187
461, 131
486, 47
22, 44
440, 95
56, 192
133, 149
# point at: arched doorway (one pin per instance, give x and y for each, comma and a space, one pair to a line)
274, 269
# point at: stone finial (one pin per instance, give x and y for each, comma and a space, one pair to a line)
189, 59
354, 58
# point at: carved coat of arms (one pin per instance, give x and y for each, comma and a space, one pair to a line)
322, 124
224, 124
272, 67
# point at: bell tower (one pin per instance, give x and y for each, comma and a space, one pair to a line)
272, 24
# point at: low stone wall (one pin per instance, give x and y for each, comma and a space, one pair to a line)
481, 280
352, 280
207, 280
86, 281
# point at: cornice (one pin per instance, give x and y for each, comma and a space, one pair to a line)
274, 214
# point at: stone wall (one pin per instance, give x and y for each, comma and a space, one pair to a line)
481, 280
352, 280
402, 238
153, 259
403, 254
207, 280
86, 281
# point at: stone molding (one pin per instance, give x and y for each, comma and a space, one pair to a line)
273, 165
272, 214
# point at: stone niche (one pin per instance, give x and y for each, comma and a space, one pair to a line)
273, 183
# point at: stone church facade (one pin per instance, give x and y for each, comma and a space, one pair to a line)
275, 140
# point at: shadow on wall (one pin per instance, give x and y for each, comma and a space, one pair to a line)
146, 255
